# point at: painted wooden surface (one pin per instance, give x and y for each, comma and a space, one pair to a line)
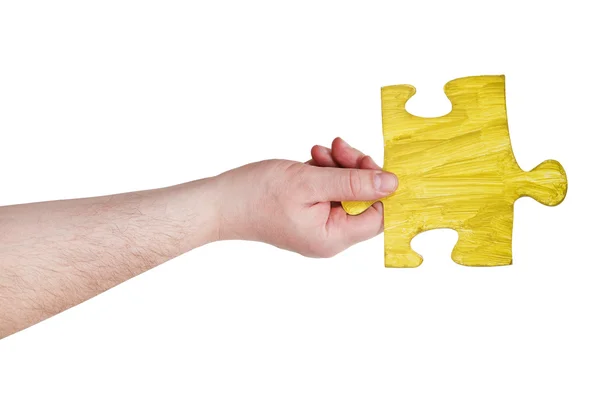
457, 171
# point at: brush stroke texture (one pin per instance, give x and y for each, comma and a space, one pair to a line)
457, 171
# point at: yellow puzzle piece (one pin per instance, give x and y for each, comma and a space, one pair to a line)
457, 171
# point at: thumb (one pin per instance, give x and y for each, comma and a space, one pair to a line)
345, 184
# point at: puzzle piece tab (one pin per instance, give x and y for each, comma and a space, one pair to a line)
457, 171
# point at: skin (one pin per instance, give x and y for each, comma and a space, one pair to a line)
54, 255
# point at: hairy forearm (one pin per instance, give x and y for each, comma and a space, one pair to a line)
56, 254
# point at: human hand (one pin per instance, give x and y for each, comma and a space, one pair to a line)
296, 206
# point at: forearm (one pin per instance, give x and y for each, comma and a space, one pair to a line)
56, 254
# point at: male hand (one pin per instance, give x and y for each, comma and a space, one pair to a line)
59, 253
296, 206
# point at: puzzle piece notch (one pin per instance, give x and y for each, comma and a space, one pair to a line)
456, 171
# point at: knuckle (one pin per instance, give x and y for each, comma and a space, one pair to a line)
329, 252
299, 180
321, 249
304, 185
327, 249
354, 183
325, 252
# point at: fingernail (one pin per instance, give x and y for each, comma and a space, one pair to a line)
385, 182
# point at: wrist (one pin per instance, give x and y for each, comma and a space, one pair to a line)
196, 205
232, 205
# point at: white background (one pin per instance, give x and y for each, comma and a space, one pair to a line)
113, 96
